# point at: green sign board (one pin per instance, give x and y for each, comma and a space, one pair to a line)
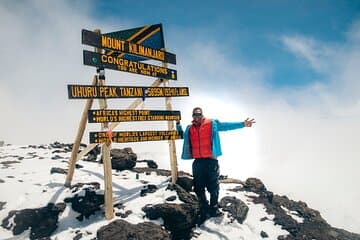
135, 136
120, 45
110, 115
120, 64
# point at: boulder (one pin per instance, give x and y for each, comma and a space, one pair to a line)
185, 182
86, 205
123, 159
236, 208
41, 221
179, 219
120, 229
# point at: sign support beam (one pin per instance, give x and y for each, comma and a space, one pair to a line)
79, 135
172, 147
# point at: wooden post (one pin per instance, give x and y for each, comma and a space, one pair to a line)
105, 150
79, 135
109, 211
172, 147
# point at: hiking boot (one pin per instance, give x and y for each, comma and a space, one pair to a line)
215, 212
202, 218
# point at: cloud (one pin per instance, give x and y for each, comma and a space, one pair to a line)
305, 139
309, 49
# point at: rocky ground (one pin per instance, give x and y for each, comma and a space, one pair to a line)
150, 208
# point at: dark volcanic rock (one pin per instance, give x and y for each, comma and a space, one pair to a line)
58, 170
237, 208
2, 204
77, 186
264, 234
171, 198
92, 155
150, 163
178, 218
185, 182
120, 229
86, 205
313, 226
41, 221
123, 159
150, 188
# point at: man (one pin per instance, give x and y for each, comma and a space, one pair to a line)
202, 142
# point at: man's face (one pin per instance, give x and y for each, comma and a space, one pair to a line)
197, 115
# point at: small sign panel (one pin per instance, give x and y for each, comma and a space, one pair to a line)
135, 136
119, 64
120, 45
108, 115
91, 91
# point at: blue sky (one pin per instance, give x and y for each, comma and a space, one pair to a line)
248, 29
292, 65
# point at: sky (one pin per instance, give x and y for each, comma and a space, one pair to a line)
293, 66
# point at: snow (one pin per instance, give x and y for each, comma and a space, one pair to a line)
29, 184
293, 214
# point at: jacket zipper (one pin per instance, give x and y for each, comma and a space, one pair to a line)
199, 141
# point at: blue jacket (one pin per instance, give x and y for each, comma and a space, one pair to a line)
216, 127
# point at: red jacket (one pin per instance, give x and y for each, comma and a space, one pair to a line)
201, 139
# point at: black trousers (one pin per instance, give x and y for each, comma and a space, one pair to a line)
206, 175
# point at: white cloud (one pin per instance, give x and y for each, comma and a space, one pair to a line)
309, 49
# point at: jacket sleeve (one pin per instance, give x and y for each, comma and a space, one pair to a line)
179, 127
226, 126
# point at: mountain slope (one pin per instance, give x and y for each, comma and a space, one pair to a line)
34, 203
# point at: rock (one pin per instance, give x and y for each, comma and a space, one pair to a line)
2, 204
77, 186
150, 163
179, 219
123, 159
8, 164
171, 198
58, 170
254, 185
150, 188
78, 236
313, 225
92, 155
185, 182
264, 234
2, 143
237, 208
124, 215
41, 221
57, 157
120, 229
86, 205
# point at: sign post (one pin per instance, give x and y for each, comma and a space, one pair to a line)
125, 51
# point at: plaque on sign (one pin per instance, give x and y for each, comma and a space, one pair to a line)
119, 64
91, 91
109, 115
135, 136
120, 45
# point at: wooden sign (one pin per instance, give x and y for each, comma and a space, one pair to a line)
120, 45
109, 115
91, 91
135, 136
119, 64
